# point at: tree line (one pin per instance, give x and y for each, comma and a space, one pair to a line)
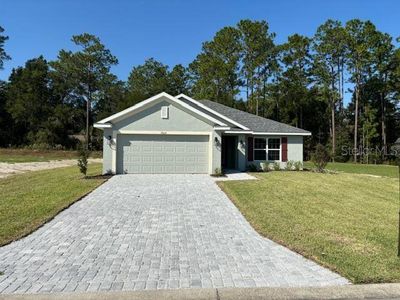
302, 82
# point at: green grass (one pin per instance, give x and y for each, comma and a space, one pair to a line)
346, 222
377, 170
29, 200
26, 155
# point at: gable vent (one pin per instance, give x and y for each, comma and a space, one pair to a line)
164, 112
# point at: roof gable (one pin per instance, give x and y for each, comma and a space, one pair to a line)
150, 119
208, 110
148, 102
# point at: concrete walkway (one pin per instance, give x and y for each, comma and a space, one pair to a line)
8, 169
235, 175
139, 232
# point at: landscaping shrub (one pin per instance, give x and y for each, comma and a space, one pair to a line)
298, 165
289, 165
252, 168
276, 166
264, 166
83, 160
320, 157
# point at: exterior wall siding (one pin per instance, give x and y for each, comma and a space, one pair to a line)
179, 120
107, 151
216, 149
294, 150
150, 120
241, 150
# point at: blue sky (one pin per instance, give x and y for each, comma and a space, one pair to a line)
170, 31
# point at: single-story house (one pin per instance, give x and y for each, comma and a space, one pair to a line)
167, 134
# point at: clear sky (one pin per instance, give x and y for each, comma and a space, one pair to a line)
170, 31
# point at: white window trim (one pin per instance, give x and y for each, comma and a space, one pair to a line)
258, 149
267, 149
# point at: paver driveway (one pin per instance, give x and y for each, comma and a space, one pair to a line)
152, 232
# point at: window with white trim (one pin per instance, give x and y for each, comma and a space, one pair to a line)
260, 149
267, 149
274, 149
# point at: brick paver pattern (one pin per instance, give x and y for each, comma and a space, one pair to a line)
140, 232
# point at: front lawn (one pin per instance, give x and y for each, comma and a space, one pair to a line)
346, 222
29, 200
26, 155
378, 170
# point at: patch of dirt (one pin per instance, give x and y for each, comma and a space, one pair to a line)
7, 169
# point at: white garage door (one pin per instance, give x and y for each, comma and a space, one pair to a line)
162, 154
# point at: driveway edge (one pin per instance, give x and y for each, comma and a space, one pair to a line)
369, 291
106, 178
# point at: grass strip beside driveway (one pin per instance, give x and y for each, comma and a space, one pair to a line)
29, 200
346, 222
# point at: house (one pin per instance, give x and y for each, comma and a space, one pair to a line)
166, 134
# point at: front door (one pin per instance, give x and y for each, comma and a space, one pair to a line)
229, 150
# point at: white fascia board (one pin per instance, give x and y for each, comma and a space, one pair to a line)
101, 126
211, 111
266, 133
239, 132
282, 133
222, 128
154, 98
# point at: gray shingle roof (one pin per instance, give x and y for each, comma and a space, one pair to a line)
253, 122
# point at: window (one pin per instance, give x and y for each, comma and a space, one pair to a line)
260, 149
274, 149
164, 112
267, 149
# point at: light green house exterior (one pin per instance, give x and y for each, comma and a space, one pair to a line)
166, 134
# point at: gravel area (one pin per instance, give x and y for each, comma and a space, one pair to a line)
7, 169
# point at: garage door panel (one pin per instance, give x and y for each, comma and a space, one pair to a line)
162, 154
157, 159
147, 148
147, 159
169, 149
202, 160
158, 148
180, 149
147, 169
157, 169
179, 159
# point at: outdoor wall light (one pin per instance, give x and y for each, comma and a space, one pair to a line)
241, 143
216, 141
109, 140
